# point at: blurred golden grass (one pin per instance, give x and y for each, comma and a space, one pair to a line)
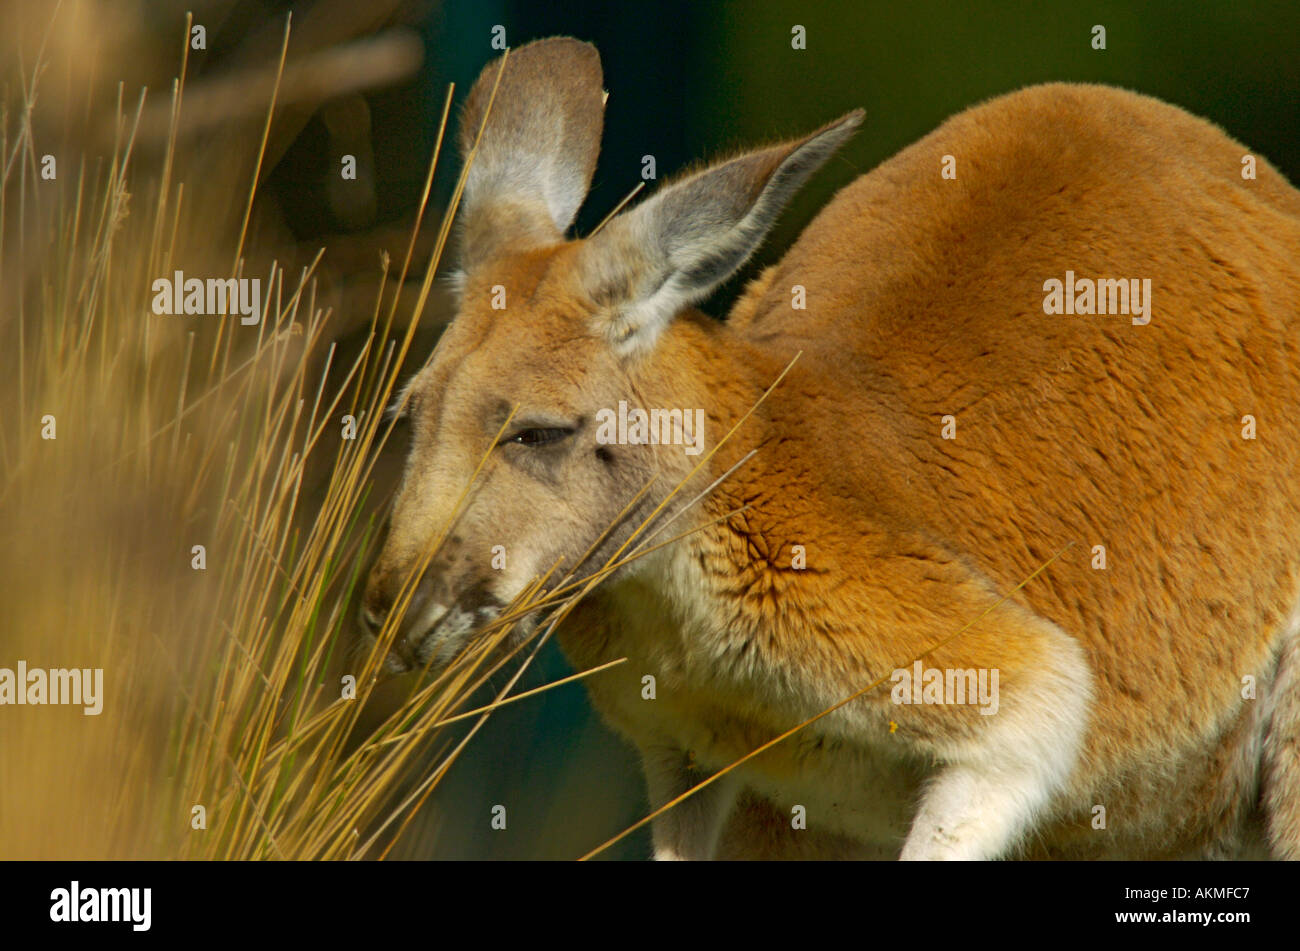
223, 686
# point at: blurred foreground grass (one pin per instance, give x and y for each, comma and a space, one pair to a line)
130, 439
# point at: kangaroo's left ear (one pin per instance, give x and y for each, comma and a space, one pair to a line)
538, 148
673, 249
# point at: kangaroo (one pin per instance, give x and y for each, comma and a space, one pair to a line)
1061, 330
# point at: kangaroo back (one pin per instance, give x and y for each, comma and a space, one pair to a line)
1149, 424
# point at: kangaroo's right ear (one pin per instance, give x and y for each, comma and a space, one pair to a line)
674, 248
538, 150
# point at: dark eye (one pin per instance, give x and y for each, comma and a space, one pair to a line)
539, 437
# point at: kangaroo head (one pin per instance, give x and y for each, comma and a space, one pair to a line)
550, 336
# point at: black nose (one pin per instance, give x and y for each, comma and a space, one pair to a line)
401, 653
371, 621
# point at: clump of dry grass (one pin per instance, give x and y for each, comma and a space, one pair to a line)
230, 727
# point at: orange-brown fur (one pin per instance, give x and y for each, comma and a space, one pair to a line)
924, 300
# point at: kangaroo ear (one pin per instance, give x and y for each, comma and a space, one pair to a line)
538, 150
673, 249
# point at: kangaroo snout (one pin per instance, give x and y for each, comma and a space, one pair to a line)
434, 623
376, 606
